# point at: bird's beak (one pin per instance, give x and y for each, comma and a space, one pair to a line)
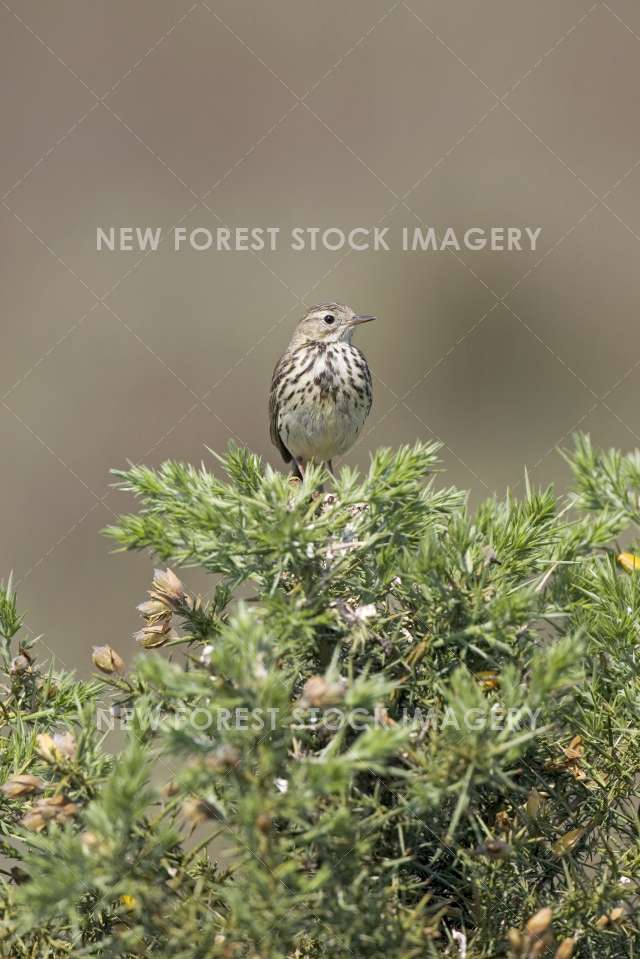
361, 318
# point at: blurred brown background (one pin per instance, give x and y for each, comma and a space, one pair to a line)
316, 113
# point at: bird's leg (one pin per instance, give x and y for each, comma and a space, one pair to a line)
297, 468
331, 469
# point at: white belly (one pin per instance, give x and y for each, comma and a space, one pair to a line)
321, 430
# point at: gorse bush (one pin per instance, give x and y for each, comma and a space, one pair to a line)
394, 727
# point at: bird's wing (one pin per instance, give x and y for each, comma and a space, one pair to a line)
274, 407
363, 366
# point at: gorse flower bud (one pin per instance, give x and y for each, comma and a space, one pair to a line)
20, 664
495, 849
56, 748
516, 940
565, 949
107, 659
90, 842
534, 803
319, 691
540, 922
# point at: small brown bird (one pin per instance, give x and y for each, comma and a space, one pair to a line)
321, 388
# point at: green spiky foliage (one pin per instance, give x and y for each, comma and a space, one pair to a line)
394, 727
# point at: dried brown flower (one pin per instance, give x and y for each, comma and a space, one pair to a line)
223, 759
168, 589
55, 809
263, 823
22, 785
197, 811
567, 842
503, 820
154, 610
153, 636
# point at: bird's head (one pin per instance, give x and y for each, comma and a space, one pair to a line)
328, 323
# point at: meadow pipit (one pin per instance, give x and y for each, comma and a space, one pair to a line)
321, 388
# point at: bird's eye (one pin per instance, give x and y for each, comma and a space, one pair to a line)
329, 319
